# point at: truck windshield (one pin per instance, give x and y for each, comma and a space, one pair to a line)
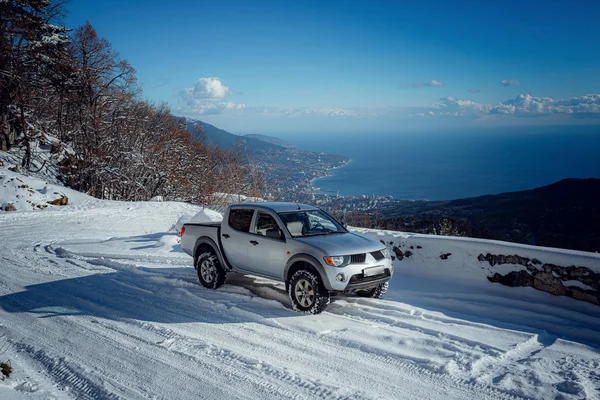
310, 223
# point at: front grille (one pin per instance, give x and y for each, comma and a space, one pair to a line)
358, 258
377, 255
360, 278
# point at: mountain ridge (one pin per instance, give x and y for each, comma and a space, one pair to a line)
214, 136
563, 214
270, 139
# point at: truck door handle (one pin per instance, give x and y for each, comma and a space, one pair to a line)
254, 242
226, 236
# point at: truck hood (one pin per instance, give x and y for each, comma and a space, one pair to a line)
341, 244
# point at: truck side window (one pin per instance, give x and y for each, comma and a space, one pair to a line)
264, 222
240, 219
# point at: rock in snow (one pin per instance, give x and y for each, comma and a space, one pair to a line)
61, 201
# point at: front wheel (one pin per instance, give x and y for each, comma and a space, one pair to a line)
210, 273
307, 292
376, 293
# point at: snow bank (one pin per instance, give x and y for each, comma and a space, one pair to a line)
478, 261
25, 193
151, 250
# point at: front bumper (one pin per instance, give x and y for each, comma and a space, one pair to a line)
359, 281
355, 277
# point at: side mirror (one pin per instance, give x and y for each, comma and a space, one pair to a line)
275, 233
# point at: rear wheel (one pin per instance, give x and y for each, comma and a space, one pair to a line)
307, 292
210, 273
376, 293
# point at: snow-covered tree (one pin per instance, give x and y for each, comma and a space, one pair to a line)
32, 49
80, 90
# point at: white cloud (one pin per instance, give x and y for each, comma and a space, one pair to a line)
210, 88
510, 82
329, 112
232, 106
432, 83
304, 111
523, 105
207, 97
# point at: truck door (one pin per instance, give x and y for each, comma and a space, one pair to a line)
267, 250
236, 237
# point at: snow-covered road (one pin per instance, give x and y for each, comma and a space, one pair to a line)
97, 301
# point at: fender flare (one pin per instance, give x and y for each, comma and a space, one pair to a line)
307, 258
208, 241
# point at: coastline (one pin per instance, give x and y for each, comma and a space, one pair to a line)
330, 172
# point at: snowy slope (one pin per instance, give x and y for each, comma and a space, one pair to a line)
27, 193
97, 301
47, 152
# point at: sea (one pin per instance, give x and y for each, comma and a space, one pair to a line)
444, 165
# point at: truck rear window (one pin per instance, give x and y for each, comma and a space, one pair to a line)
240, 219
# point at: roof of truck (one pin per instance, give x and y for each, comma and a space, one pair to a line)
277, 206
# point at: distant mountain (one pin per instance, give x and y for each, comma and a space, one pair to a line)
218, 137
288, 170
271, 139
564, 214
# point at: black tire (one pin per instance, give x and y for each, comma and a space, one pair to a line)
210, 273
376, 293
307, 292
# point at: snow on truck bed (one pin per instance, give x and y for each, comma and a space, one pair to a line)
97, 301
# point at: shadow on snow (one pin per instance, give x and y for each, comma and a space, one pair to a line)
170, 295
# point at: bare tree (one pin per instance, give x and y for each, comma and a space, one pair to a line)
31, 45
81, 91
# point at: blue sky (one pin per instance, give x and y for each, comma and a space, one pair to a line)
332, 66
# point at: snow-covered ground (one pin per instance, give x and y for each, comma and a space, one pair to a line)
98, 301
25, 193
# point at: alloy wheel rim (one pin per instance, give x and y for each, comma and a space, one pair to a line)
305, 293
207, 271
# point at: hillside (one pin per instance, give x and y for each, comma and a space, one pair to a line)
218, 137
287, 171
270, 139
564, 214
71, 110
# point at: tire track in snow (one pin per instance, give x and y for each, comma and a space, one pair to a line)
68, 376
200, 350
183, 346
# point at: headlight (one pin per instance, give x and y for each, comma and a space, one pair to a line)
386, 253
335, 261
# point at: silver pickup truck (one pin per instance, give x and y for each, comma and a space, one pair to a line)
298, 244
